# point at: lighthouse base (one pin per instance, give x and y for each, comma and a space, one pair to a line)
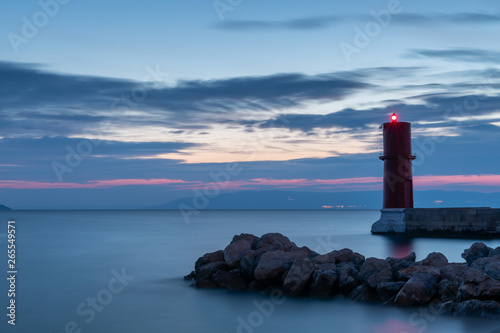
469, 222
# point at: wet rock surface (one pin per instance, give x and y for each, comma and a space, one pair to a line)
273, 262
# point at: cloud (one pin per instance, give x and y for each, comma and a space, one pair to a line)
37, 102
25, 87
325, 22
20, 184
463, 55
21, 150
308, 23
438, 110
373, 183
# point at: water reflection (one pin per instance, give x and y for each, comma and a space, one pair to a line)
400, 246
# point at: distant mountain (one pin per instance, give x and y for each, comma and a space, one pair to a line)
328, 200
2, 207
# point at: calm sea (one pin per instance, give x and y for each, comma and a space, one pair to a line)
121, 271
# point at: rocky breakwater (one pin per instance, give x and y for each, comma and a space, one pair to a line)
273, 263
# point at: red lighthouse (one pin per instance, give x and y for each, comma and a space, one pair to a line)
397, 157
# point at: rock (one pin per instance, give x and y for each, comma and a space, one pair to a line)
324, 283
255, 285
494, 252
325, 267
205, 283
476, 251
206, 271
435, 259
479, 285
229, 281
408, 273
234, 252
347, 255
348, 277
387, 290
325, 259
493, 270
411, 257
363, 293
454, 272
242, 274
208, 258
448, 290
251, 239
298, 276
276, 241
474, 308
481, 263
419, 290
273, 264
398, 264
375, 271
248, 262
190, 276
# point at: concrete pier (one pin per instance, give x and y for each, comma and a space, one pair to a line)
469, 222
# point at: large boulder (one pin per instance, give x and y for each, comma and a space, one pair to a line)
481, 263
478, 285
494, 252
398, 264
363, 293
251, 239
325, 259
248, 262
493, 270
234, 252
298, 276
348, 277
408, 273
275, 241
207, 258
229, 280
435, 259
448, 290
347, 255
387, 290
375, 271
208, 270
476, 251
324, 283
419, 290
205, 283
471, 308
324, 267
454, 272
273, 264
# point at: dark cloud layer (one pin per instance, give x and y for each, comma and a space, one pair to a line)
40, 102
437, 108
23, 150
29, 87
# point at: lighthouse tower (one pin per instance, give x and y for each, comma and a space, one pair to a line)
397, 157
398, 217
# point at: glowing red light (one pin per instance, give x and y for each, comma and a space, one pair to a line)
394, 117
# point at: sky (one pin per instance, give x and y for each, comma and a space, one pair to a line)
125, 104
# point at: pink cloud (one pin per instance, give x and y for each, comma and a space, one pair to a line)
20, 184
466, 180
358, 184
